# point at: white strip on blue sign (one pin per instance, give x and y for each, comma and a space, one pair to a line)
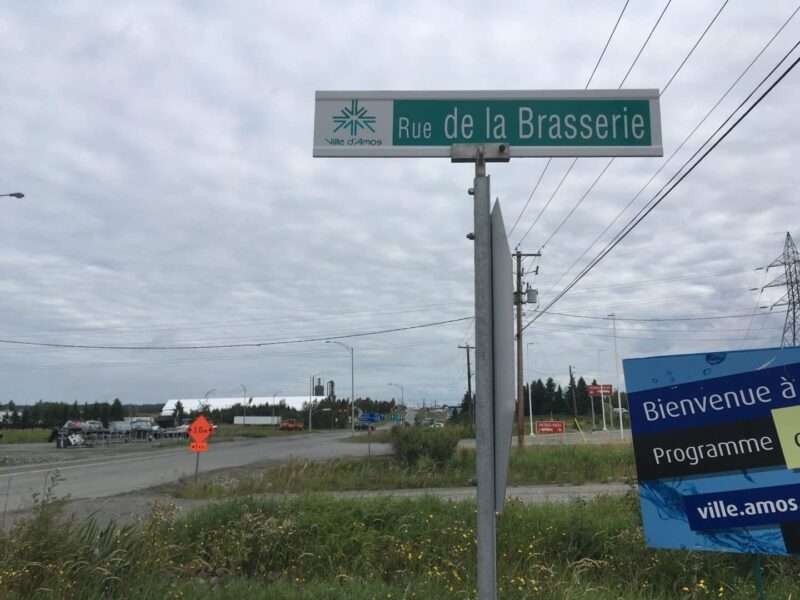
717, 444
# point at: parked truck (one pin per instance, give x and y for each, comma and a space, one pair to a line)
291, 425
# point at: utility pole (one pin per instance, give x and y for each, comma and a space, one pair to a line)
574, 403
469, 386
790, 261
616, 368
602, 397
518, 302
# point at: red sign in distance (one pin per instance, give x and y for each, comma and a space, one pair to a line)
200, 429
596, 389
198, 446
549, 427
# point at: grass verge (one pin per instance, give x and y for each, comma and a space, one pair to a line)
24, 436
316, 547
529, 466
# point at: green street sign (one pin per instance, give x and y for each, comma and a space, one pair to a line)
533, 124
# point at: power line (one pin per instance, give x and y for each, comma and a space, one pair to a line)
661, 319
549, 160
649, 35
244, 345
575, 160
667, 188
721, 8
683, 143
249, 322
566, 326
608, 41
661, 94
665, 339
618, 286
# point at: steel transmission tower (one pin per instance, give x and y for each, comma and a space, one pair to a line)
790, 261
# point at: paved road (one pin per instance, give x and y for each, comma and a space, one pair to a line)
99, 472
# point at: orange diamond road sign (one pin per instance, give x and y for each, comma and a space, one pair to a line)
198, 446
200, 429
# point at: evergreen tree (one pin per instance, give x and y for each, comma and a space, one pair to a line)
550, 403
559, 402
116, 413
582, 397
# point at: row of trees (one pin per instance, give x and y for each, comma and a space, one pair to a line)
55, 414
549, 398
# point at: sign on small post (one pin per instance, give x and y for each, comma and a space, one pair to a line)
596, 389
546, 427
199, 431
481, 127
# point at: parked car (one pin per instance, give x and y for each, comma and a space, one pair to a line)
362, 426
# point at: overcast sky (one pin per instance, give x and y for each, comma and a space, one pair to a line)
164, 149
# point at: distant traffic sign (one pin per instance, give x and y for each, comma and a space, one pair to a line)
370, 417
533, 123
198, 446
598, 390
544, 427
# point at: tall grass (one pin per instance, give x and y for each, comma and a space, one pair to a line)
318, 547
529, 466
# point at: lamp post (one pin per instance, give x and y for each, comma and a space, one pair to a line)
402, 394
244, 403
273, 403
352, 384
13, 195
207, 393
530, 387
616, 367
602, 396
310, 396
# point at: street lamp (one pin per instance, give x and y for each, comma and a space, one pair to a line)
402, 394
207, 393
352, 384
244, 403
273, 404
602, 395
310, 395
13, 195
530, 383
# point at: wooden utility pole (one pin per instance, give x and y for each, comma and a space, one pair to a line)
518, 302
469, 386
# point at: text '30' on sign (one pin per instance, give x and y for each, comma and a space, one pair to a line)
533, 124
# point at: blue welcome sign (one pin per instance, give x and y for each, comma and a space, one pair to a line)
717, 443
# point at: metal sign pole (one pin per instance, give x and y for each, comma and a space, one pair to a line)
757, 577
196, 466
484, 387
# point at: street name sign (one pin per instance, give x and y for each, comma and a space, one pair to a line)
533, 123
716, 438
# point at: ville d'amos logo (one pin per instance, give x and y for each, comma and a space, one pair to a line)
354, 120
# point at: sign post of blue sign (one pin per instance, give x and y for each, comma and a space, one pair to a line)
717, 441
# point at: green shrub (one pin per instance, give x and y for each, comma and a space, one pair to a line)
410, 444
